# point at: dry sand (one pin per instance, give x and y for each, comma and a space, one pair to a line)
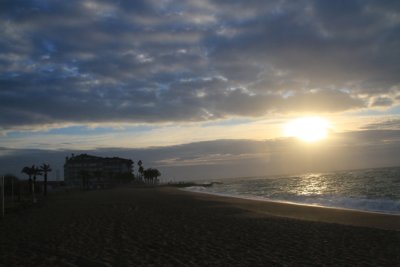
168, 227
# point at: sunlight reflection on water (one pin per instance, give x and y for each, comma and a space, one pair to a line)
371, 189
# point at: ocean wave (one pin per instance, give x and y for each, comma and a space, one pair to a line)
387, 206
196, 188
372, 190
362, 204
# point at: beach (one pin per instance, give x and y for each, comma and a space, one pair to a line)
164, 226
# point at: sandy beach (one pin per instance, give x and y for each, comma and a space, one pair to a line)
168, 227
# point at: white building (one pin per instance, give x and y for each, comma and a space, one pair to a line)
96, 169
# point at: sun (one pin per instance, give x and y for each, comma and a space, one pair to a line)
308, 129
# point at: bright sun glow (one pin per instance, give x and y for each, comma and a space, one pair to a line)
308, 129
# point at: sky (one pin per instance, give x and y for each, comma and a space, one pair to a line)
200, 89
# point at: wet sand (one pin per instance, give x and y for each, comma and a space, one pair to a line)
168, 227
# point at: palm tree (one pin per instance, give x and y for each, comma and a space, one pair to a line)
35, 171
146, 175
156, 173
45, 168
141, 169
151, 175
32, 172
28, 171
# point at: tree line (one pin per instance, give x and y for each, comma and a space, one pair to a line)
149, 175
33, 172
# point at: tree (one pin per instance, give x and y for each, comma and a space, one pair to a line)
156, 174
28, 171
45, 168
32, 172
146, 175
141, 169
36, 171
151, 175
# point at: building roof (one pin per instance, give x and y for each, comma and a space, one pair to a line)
86, 157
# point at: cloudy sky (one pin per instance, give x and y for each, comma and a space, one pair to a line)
200, 88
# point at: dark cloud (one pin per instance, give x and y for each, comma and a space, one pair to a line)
392, 124
382, 102
152, 61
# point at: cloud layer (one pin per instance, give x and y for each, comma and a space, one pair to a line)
235, 158
181, 61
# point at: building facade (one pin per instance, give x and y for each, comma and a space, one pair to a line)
97, 170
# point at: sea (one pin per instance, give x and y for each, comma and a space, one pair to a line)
372, 190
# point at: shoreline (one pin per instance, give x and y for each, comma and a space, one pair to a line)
290, 202
309, 212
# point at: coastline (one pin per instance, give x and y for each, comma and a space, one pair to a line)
165, 226
264, 207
